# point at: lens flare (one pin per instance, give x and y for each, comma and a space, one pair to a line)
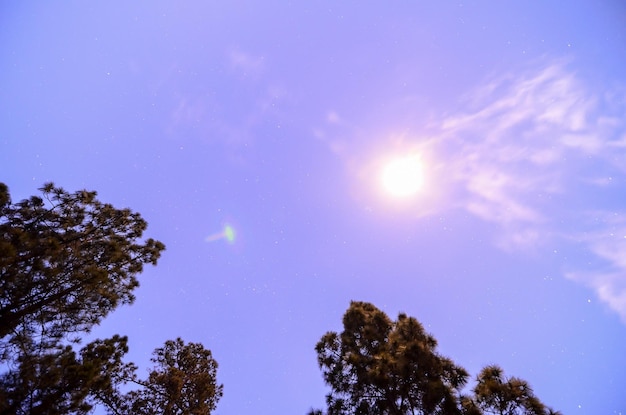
228, 233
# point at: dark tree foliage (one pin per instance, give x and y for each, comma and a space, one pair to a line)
57, 381
66, 261
377, 366
495, 394
183, 382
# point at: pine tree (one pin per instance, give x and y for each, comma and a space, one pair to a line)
377, 366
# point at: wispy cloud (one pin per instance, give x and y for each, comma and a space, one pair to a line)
333, 121
215, 115
530, 143
521, 142
246, 64
608, 244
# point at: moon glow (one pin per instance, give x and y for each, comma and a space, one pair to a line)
403, 177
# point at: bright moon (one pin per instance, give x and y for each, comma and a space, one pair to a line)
403, 176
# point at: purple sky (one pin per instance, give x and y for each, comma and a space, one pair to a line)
276, 118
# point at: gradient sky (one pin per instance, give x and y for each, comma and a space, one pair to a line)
275, 118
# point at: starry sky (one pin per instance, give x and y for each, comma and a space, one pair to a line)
252, 136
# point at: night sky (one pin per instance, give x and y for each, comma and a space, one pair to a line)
254, 136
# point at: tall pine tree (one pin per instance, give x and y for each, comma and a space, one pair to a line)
66, 261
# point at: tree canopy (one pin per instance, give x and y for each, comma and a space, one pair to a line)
495, 394
377, 366
183, 382
66, 261
57, 380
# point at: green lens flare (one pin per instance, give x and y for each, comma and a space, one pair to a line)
229, 234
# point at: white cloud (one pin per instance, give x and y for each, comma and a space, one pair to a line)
246, 64
610, 288
534, 135
524, 137
199, 115
333, 118
607, 242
